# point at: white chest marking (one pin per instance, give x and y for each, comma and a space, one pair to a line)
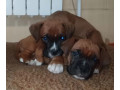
54, 47
55, 68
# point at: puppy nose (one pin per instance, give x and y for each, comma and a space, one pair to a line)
58, 52
54, 52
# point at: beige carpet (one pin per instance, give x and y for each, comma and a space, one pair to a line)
24, 77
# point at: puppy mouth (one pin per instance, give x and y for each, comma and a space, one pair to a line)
78, 77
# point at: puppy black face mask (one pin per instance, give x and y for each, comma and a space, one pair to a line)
81, 67
53, 46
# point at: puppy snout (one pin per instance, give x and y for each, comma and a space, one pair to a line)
57, 52
54, 52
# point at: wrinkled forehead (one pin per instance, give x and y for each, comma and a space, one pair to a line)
53, 29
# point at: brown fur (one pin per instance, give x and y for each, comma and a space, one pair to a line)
85, 30
65, 23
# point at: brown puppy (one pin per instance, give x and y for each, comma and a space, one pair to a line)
46, 41
85, 30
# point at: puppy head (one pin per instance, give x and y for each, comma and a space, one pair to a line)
52, 33
81, 66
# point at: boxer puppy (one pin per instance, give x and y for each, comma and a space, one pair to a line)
85, 30
46, 41
83, 59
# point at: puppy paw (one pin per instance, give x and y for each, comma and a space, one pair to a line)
34, 62
21, 60
96, 71
38, 63
55, 68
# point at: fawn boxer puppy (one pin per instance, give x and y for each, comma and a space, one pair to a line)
46, 41
83, 59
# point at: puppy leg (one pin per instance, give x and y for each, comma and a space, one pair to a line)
25, 56
96, 71
56, 65
28, 58
39, 57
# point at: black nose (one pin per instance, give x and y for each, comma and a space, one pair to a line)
57, 52
54, 52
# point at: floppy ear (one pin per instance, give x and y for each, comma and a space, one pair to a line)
105, 57
69, 30
35, 30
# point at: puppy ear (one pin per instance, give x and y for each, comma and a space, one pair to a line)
69, 30
105, 57
35, 30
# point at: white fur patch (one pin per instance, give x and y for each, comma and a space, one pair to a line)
34, 62
50, 55
21, 60
96, 71
54, 47
38, 63
31, 62
81, 78
55, 68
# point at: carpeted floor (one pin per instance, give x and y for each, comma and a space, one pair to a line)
24, 77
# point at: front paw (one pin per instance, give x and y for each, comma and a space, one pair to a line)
55, 68
31, 62
34, 62
96, 71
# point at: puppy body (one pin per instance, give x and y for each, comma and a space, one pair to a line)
85, 30
27, 51
27, 46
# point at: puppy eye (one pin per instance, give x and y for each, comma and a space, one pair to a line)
62, 38
44, 38
95, 59
75, 53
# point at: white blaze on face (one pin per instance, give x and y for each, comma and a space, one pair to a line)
54, 47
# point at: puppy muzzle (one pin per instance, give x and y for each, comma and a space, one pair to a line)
79, 73
52, 53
